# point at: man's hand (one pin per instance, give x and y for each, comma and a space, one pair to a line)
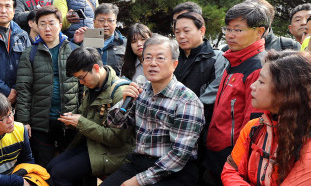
131, 182
28, 128
70, 119
12, 96
72, 17
26, 183
79, 34
133, 90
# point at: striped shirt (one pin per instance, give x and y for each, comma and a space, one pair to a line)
168, 125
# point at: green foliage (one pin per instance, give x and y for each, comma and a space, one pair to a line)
157, 15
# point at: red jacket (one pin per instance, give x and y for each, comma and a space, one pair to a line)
233, 106
247, 161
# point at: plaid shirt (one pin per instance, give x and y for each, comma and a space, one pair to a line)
168, 126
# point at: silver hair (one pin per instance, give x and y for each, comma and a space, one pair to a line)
157, 39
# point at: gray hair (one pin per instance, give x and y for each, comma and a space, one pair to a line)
5, 105
106, 8
255, 14
189, 6
157, 39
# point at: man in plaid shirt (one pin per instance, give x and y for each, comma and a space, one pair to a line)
168, 118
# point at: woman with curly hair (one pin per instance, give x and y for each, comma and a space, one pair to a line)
275, 149
133, 58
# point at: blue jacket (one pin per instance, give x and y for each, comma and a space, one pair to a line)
19, 41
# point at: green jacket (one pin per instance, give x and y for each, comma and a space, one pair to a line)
107, 146
34, 85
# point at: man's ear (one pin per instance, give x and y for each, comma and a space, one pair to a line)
175, 63
260, 32
96, 67
202, 30
290, 28
30, 23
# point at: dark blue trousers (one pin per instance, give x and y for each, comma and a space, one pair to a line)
188, 176
70, 167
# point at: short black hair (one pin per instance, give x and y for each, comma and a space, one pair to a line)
5, 105
32, 15
306, 6
47, 10
82, 58
196, 18
190, 6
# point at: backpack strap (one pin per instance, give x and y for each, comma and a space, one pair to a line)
32, 54
118, 83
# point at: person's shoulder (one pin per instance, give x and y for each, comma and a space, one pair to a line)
184, 93
289, 43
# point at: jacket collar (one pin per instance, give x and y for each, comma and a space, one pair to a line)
62, 38
205, 49
269, 36
238, 57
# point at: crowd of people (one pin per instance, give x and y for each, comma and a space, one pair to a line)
70, 114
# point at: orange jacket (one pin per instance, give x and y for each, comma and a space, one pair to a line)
247, 161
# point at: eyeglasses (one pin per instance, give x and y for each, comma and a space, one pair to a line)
5, 118
82, 78
226, 30
103, 21
149, 59
43, 26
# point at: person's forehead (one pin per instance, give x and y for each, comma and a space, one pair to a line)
157, 49
106, 16
238, 22
4, 2
302, 13
49, 17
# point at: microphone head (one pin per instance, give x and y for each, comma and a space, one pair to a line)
141, 80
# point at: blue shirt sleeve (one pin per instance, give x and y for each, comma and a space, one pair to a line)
11, 180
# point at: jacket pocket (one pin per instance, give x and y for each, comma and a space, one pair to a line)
232, 121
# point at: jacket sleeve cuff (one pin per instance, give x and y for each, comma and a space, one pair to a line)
147, 177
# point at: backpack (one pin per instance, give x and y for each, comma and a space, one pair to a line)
34, 49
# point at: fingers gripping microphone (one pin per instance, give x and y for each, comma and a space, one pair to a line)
140, 80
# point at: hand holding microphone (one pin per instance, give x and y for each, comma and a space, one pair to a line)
132, 91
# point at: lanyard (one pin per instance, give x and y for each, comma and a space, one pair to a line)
9, 40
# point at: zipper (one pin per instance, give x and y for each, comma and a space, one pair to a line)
225, 85
232, 120
261, 159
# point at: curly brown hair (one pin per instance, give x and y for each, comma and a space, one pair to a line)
291, 86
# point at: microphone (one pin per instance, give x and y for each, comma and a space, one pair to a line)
140, 80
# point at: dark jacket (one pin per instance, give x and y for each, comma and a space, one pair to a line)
115, 52
19, 41
201, 72
35, 85
23, 8
107, 147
